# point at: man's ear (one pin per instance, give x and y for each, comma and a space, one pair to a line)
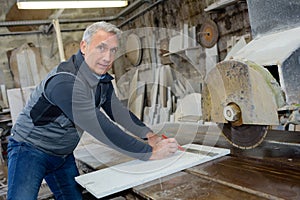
83, 46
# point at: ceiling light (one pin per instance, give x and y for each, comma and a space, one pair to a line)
56, 4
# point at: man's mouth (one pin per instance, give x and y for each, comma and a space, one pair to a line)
103, 66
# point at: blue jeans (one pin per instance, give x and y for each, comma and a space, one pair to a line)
28, 166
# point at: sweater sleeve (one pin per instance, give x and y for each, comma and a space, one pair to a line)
123, 116
76, 101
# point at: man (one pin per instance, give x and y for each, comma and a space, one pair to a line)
66, 103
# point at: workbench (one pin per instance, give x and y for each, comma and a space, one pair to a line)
245, 174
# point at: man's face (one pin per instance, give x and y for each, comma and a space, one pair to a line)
99, 54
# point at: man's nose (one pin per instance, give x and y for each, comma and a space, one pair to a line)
107, 56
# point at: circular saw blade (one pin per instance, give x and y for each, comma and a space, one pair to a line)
208, 34
244, 136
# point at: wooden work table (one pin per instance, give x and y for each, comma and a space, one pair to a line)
250, 175
227, 178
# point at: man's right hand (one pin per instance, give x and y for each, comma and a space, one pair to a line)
164, 148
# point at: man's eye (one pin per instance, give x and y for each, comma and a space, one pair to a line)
114, 50
102, 48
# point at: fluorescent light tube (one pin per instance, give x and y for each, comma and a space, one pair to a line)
47, 4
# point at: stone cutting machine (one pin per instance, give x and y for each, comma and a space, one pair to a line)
259, 86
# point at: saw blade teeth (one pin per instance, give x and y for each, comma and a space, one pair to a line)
244, 136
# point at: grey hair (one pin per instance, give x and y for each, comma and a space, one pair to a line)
95, 27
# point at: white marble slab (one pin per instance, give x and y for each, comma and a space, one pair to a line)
123, 176
97, 155
17, 98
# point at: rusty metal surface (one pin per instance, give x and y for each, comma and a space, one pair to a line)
227, 178
255, 176
187, 186
208, 34
269, 171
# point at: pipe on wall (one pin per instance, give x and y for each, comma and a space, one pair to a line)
59, 40
133, 6
140, 13
124, 12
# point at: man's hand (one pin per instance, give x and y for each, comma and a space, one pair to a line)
153, 139
164, 148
